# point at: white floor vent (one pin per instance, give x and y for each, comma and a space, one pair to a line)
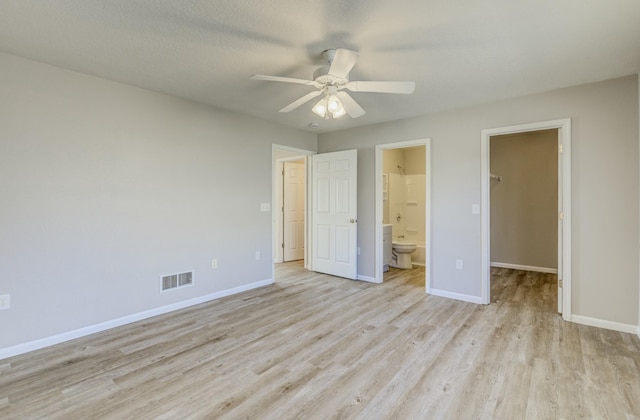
175, 281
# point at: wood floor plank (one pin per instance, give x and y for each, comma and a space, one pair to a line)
320, 347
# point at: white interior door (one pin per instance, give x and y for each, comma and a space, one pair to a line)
335, 213
293, 226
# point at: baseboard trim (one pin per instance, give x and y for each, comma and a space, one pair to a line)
366, 278
609, 325
456, 296
525, 267
103, 326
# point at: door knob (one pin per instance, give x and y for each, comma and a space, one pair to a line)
353, 220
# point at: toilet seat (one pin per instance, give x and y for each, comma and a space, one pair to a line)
402, 254
404, 247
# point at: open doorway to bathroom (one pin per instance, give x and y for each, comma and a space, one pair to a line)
403, 211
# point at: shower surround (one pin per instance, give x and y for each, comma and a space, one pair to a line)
407, 209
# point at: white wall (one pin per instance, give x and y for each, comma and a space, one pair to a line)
605, 189
106, 187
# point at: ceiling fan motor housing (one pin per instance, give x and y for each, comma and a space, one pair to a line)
323, 77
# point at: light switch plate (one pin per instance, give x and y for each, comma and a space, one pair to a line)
265, 206
5, 301
475, 209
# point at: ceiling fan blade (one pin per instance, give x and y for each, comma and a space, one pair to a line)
306, 98
283, 79
353, 109
382, 87
343, 62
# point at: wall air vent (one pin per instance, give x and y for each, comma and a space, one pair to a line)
175, 281
185, 279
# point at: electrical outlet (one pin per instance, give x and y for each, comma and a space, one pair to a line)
459, 264
214, 263
257, 255
5, 301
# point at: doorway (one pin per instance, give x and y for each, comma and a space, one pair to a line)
397, 170
490, 182
524, 219
330, 210
291, 209
296, 233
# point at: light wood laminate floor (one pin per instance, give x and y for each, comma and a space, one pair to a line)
315, 346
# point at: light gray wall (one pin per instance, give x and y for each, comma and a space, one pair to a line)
604, 180
106, 187
524, 203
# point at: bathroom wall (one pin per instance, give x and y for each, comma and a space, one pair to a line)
390, 161
415, 169
415, 160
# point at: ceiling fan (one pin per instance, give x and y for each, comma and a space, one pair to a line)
331, 80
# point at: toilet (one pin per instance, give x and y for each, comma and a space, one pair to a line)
402, 254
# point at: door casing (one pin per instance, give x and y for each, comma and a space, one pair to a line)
379, 152
564, 206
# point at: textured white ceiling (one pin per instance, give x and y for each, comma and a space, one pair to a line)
459, 52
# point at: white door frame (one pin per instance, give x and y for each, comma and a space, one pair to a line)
294, 154
380, 148
564, 205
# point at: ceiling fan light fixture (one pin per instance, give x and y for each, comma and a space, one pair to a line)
321, 107
329, 106
339, 112
333, 104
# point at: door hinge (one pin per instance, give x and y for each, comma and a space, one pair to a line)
561, 215
283, 245
560, 283
283, 172
560, 148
